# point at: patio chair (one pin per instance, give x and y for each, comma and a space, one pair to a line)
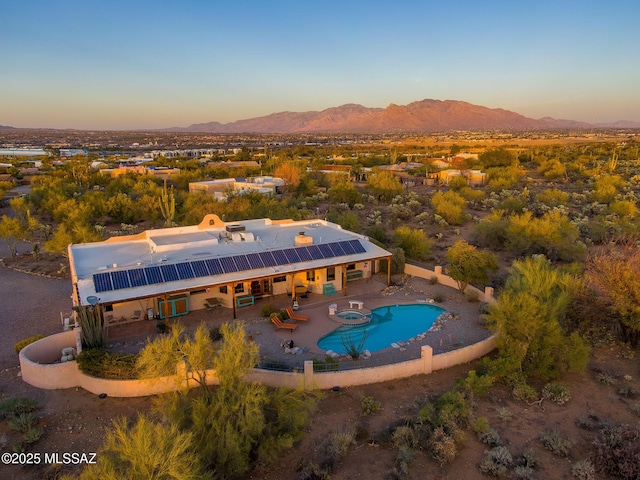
278, 323
294, 316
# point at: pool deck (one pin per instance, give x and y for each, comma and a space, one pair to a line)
461, 330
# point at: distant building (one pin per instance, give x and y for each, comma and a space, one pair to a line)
221, 187
23, 152
71, 152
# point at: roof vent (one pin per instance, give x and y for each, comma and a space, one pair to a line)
235, 228
303, 239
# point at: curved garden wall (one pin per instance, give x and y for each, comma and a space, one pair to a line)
39, 367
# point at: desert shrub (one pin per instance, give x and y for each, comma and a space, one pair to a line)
555, 442
524, 392
23, 422
528, 459
627, 391
404, 436
496, 462
635, 408
267, 310
215, 334
334, 449
111, 365
606, 378
442, 447
490, 437
583, 470
556, 393
450, 206
27, 341
438, 298
523, 473
504, 413
368, 405
401, 462
617, 450
414, 242
433, 280
12, 407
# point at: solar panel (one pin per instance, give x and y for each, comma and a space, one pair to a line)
326, 251
200, 268
102, 282
154, 275
215, 267
292, 255
120, 280
348, 249
241, 262
228, 265
315, 252
255, 261
136, 277
357, 246
280, 257
336, 249
184, 270
169, 273
267, 259
304, 254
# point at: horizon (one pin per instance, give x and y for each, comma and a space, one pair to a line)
150, 66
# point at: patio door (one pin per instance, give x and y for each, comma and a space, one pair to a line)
260, 288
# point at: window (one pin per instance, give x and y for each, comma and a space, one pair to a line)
331, 273
223, 289
281, 279
351, 266
311, 275
239, 288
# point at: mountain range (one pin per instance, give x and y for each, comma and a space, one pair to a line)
421, 116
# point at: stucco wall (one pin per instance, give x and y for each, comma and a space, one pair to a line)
38, 369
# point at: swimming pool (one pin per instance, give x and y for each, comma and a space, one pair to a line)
388, 325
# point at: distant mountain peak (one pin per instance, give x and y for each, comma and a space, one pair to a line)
425, 115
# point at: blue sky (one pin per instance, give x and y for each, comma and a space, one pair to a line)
153, 64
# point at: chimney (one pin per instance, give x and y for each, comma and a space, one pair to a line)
302, 239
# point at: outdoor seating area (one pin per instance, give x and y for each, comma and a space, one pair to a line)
213, 302
275, 319
295, 316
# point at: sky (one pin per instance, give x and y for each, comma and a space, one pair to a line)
157, 64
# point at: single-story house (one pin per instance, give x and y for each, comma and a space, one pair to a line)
168, 272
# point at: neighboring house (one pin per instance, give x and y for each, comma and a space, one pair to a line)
169, 272
235, 164
161, 172
221, 187
474, 177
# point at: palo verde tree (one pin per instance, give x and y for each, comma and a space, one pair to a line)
468, 264
237, 423
146, 450
613, 272
529, 316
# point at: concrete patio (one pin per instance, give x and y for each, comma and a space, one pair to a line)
373, 292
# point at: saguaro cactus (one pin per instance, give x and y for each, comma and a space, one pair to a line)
167, 205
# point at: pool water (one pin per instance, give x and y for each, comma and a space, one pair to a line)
350, 315
388, 325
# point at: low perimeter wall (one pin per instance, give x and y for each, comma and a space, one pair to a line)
38, 367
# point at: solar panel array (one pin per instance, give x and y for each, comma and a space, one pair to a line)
138, 277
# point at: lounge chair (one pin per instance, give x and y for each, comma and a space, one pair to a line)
278, 323
294, 316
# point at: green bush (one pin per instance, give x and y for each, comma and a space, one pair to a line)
27, 341
267, 310
103, 364
12, 407
369, 405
